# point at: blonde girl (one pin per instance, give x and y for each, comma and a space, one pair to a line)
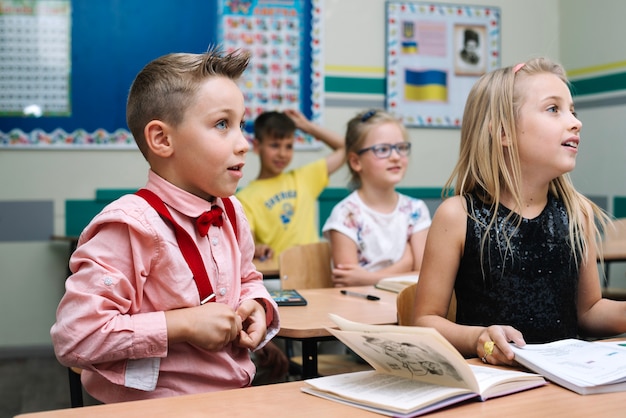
516, 242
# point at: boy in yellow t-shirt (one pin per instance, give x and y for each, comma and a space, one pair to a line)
281, 205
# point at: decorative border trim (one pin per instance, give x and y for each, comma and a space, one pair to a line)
59, 139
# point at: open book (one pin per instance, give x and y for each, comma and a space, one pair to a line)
580, 366
416, 371
397, 283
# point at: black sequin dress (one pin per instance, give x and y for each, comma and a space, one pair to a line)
531, 284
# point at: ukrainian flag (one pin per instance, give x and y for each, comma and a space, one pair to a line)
409, 47
426, 85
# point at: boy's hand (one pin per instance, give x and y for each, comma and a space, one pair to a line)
263, 252
254, 328
299, 119
210, 326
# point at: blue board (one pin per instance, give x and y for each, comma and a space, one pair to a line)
111, 42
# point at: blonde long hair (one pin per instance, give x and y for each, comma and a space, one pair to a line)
491, 112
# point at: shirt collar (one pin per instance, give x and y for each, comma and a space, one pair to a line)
177, 198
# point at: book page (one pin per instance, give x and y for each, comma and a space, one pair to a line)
581, 362
416, 353
384, 391
496, 382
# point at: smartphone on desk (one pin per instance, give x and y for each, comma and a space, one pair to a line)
287, 297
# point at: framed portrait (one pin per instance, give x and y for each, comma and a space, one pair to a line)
435, 54
470, 58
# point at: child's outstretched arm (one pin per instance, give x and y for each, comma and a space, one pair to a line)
335, 160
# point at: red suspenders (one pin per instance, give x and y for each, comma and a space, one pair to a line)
186, 243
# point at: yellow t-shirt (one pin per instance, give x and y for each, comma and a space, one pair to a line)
281, 210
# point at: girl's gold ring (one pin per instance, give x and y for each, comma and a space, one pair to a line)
488, 348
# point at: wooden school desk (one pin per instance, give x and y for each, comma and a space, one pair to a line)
286, 400
308, 323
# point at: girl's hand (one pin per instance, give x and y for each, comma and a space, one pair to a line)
351, 275
492, 346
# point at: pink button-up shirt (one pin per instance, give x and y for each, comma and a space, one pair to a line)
127, 271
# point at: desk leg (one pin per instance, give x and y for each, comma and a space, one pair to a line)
309, 358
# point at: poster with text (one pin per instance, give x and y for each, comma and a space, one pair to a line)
284, 38
435, 54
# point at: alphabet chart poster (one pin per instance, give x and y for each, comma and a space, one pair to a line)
35, 59
285, 72
435, 54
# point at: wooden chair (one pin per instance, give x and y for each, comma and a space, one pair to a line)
309, 267
76, 387
306, 266
406, 303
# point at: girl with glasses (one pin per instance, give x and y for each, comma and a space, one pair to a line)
376, 232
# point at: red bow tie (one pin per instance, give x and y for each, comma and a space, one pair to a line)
208, 218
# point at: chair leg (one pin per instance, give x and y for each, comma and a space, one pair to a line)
294, 369
76, 389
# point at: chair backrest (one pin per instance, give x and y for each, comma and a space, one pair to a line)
306, 266
406, 302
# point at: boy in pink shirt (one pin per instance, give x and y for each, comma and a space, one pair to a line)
134, 317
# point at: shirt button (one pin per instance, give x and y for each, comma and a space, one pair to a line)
222, 291
214, 241
108, 281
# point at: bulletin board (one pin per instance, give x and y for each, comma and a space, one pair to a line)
435, 54
285, 38
109, 42
35, 58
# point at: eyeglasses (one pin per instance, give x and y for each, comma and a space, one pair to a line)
384, 150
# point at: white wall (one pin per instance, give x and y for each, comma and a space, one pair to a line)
592, 37
32, 273
593, 44
529, 28
355, 37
